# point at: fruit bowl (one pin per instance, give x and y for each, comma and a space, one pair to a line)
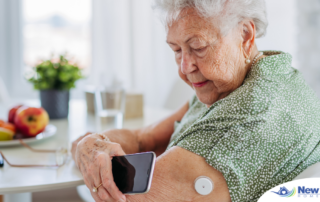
49, 131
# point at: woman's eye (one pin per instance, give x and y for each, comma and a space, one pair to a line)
177, 51
200, 49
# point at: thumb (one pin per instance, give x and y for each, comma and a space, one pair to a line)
116, 150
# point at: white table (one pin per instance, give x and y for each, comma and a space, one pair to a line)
18, 183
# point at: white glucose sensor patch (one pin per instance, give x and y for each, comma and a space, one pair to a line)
203, 185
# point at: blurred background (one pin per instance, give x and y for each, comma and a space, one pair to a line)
123, 41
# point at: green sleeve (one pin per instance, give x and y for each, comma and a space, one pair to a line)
251, 161
220, 147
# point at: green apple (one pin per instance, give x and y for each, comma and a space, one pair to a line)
6, 134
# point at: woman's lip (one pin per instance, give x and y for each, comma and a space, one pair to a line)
200, 84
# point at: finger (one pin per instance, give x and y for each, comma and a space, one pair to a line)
101, 191
90, 184
116, 150
73, 151
88, 179
103, 194
95, 169
108, 183
80, 160
95, 196
81, 137
88, 133
90, 187
96, 179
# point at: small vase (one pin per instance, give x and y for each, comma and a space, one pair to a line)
55, 102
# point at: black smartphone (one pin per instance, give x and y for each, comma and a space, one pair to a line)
133, 173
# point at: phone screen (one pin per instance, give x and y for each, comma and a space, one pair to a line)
133, 173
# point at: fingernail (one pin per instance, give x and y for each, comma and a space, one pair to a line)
123, 199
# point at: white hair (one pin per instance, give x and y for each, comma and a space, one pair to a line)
226, 13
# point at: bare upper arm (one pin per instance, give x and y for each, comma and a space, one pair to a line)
156, 136
174, 176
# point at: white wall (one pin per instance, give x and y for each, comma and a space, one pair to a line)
282, 30
308, 41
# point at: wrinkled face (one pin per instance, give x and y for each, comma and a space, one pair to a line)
213, 65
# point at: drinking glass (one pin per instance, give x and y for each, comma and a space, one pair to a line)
110, 107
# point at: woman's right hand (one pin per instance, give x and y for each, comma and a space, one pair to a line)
93, 157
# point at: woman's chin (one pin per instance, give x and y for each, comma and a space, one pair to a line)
206, 99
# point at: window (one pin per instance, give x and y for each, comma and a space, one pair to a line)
57, 27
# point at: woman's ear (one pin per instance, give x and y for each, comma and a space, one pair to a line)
248, 33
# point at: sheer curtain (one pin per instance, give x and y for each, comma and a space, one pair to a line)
129, 46
11, 64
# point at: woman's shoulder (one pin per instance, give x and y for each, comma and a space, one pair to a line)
273, 63
266, 96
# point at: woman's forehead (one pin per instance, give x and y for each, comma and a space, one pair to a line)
190, 24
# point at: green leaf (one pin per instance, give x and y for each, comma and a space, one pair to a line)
59, 76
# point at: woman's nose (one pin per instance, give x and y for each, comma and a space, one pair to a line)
187, 63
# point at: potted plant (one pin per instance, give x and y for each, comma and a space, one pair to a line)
54, 78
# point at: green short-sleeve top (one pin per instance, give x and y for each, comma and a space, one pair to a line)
261, 135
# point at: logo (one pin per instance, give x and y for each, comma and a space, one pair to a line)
305, 190
284, 192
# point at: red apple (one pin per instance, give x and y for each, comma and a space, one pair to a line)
12, 113
31, 121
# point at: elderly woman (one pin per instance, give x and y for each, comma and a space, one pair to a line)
253, 124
